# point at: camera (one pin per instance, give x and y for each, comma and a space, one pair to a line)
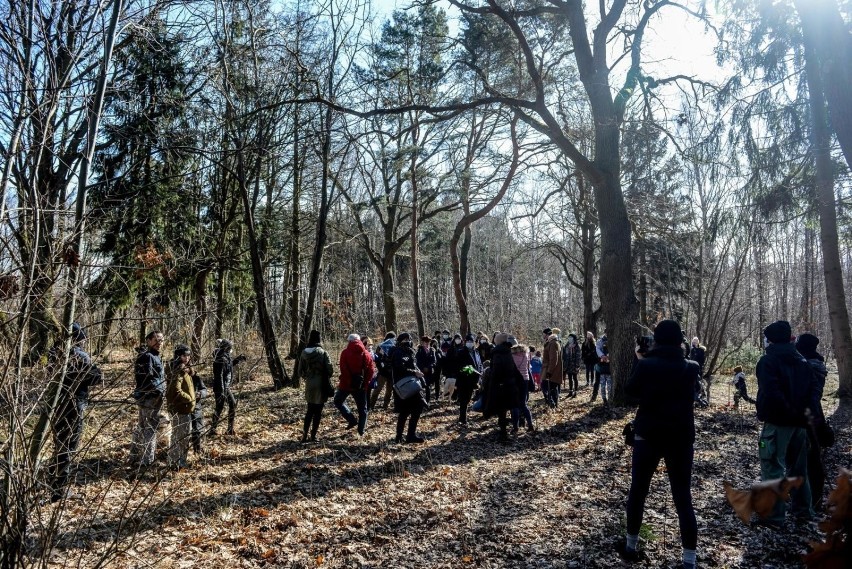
644, 343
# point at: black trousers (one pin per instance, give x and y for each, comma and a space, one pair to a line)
221, 399
67, 431
465, 395
412, 424
312, 419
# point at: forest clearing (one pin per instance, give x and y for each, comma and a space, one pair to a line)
552, 499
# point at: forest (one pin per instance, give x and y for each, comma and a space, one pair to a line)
258, 169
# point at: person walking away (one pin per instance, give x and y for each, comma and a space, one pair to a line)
148, 394
698, 354
502, 392
404, 365
787, 392
571, 359
552, 370
590, 358
520, 355
316, 369
356, 371
427, 361
806, 345
180, 398
223, 375
662, 381
67, 427
740, 387
384, 363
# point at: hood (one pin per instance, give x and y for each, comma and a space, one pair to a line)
388, 344
519, 348
313, 354
552, 337
785, 352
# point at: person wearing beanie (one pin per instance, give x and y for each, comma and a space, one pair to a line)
223, 373
180, 397
787, 393
662, 381
806, 344
356, 372
427, 362
315, 368
408, 410
67, 428
384, 363
552, 372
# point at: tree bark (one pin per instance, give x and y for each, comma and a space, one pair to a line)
832, 267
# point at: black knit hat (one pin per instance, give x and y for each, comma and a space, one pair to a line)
547, 331
314, 338
779, 332
404, 337
667, 333
806, 343
182, 350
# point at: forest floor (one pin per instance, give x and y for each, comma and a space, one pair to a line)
261, 499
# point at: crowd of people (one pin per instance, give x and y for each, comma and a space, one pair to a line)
496, 377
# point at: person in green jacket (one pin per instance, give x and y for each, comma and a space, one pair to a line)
180, 397
315, 367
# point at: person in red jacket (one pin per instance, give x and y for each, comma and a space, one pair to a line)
356, 371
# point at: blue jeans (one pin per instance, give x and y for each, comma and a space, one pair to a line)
361, 400
678, 456
523, 410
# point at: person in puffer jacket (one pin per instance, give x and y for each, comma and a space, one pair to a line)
180, 396
806, 345
356, 372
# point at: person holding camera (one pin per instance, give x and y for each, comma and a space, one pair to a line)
356, 372
223, 373
662, 381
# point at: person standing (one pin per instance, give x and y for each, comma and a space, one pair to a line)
571, 359
315, 367
197, 417
356, 372
427, 362
67, 427
502, 390
223, 375
466, 358
521, 357
552, 370
150, 389
590, 358
787, 392
404, 365
384, 362
806, 345
180, 398
662, 381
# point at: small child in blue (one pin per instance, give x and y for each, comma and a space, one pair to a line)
739, 383
535, 368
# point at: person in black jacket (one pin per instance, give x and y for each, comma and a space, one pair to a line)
663, 381
150, 389
464, 356
786, 393
427, 362
806, 345
223, 374
404, 365
67, 426
502, 390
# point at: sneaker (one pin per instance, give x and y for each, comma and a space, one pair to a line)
629, 555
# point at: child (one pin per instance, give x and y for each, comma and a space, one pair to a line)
739, 383
535, 367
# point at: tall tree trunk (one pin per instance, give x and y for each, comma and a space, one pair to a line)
200, 290
415, 235
267, 331
832, 268
388, 287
